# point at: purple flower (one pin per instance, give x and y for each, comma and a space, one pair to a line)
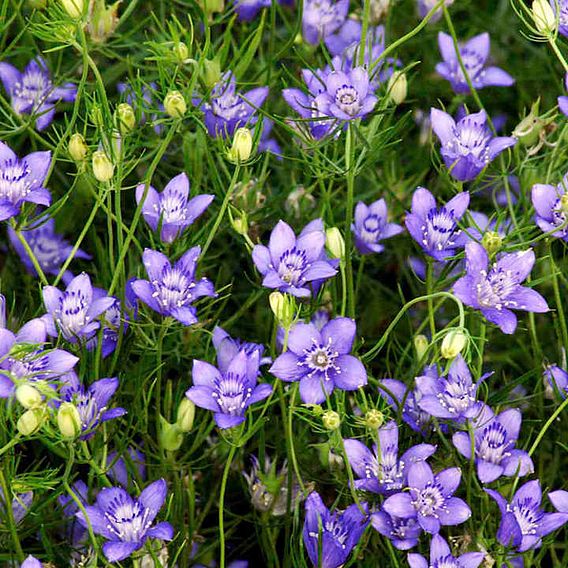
32, 91
171, 290
91, 402
474, 54
371, 226
381, 471
495, 438
171, 211
560, 500
468, 146
321, 18
442, 557
227, 348
335, 534
125, 522
557, 378
119, 468
31, 562
20, 504
523, 522
75, 531
348, 95
112, 323
435, 229
291, 264
346, 36
320, 360
229, 110
496, 289
403, 533
50, 249
75, 311
450, 397
22, 180
551, 205
562, 16
228, 394
430, 498
424, 6
248, 9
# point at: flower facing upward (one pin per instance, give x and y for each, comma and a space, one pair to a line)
22, 180
32, 91
126, 523
291, 264
551, 207
435, 229
495, 438
474, 54
467, 146
171, 290
523, 522
381, 471
228, 394
321, 360
496, 289
442, 557
321, 18
335, 534
371, 226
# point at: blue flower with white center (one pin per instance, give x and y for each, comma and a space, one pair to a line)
171, 290
371, 226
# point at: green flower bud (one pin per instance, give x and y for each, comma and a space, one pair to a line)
240, 224
374, 419
77, 147
334, 243
102, 20
185, 415
283, 307
564, 203
170, 435
211, 72
544, 17
492, 242
180, 51
74, 8
421, 346
69, 420
28, 396
126, 118
331, 420
529, 130
397, 87
103, 168
30, 421
453, 343
241, 149
175, 104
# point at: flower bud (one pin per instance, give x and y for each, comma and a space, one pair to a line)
180, 51
28, 396
211, 72
240, 224
379, 10
421, 346
103, 168
564, 204
334, 242
242, 146
74, 8
69, 420
77, 147
174, 104
126, 118
544, 17
102, 20
397, 88
492, 242
529, 130
453, 343
331, 420
30, 421
374, 419
170, 435
283, 307
185, 415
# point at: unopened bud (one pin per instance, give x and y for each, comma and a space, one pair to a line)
492, 242
126, 118
175, 104
421, 346
211, 72
170, 435
241, 149
564, 204
331, 420
544, 17
74, 8
240, 224
30, 421
283, 307
374, 419
103, 168
77, 147
453, 343
102, 20
529, 130
28, 396
185, 415
180, 51
69, 420
397, 88
334, 242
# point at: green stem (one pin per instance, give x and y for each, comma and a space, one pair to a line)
547, 425
350, 170
222, 503
12, 527
291, 439
429, 290
30, 254
558, 297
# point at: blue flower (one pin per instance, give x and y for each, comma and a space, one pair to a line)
442, 557
31, 562
551, 206
371, 226
403, 533
228, 348
320, 18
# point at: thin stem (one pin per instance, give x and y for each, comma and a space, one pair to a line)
558, 297
350, 170
12, 527
222, 503
429, 290
549, 422
291, 438
30, 254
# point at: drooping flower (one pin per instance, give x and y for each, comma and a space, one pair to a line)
467, 146
22, 180
321, 18
381, 471
171, 290
228, 110
127, 523
50, 249
551, 207
523, 522
434, 228
495, 439
292, 264
496, 290
474, 54
91, 402
403, 533
321, 360
430, 498
228, 394
227, 348
371, 226
32, 91
171, 211
74, 312
442, 557
335, 534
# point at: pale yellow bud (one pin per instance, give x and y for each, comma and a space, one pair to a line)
453, 343
185, 415
102, 20
103, 168
421, 346
544, 17
69, 420
242, 146
283, 307
240, 223
331, 420
28, 396
126, 118
492, 242
211, 72
374, 419
74, 8
175, 104
334, 242
397, 88
30, 421
77, 147
180, 51
564, 203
